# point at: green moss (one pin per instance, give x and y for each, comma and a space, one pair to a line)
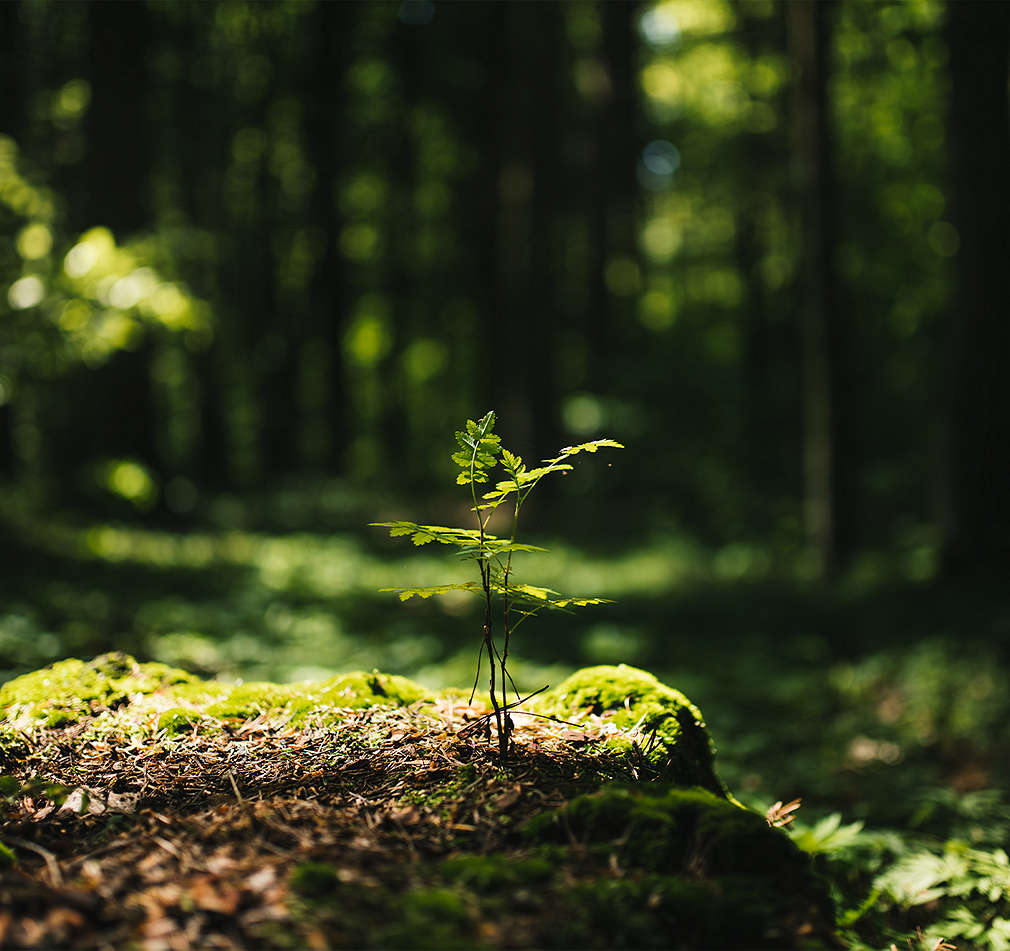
716, 874
431, 918
490, 873
250, 700
314, 880
7, 856
356, 691
177, 721
665, 726
67, 691
71, 690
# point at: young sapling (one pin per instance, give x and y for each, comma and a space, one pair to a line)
479, 452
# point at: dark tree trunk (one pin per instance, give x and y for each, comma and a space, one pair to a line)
199, 151
401, 269
486, 215
810, 31
613, 186
12, 99
976, 536
118, 120
761, 428
541, 343
326, 297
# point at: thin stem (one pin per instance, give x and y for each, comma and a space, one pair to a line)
485, 580
510, 706
508, 603
485, 576
507, 673
476, 676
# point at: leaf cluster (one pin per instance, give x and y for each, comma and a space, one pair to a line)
522, 481
478, 451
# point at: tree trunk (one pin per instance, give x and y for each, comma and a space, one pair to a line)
809, 31
118, 121
327, 300
976, 520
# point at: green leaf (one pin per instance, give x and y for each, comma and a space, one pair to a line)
405, 594
479, 449
496, 546
423, 534
589, 447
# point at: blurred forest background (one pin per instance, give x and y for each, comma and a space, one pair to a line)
260, 259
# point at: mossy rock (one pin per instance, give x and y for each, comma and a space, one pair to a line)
707, 873
648, 717
66, 692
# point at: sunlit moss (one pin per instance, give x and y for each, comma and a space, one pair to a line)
640, 709
66, 691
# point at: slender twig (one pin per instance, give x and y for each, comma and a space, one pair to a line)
476, 676
51, 864
507, 673
509, 706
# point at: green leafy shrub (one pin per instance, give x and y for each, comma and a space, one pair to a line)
913, 888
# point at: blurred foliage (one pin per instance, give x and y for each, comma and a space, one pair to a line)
290, 246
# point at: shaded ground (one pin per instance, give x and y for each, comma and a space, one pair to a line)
394, 829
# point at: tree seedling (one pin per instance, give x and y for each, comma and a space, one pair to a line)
479, 452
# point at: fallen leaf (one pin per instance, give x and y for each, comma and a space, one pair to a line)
211, 895
260, 881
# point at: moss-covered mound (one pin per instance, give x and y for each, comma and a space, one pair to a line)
66, 692
638, 714
706, 873
149, 697
365, 811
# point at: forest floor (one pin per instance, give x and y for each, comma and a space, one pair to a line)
398, 829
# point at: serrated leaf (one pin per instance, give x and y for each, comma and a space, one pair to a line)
589, 447
496, 546
422, 534
405, 594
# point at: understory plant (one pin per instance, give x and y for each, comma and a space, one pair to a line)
479, 452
